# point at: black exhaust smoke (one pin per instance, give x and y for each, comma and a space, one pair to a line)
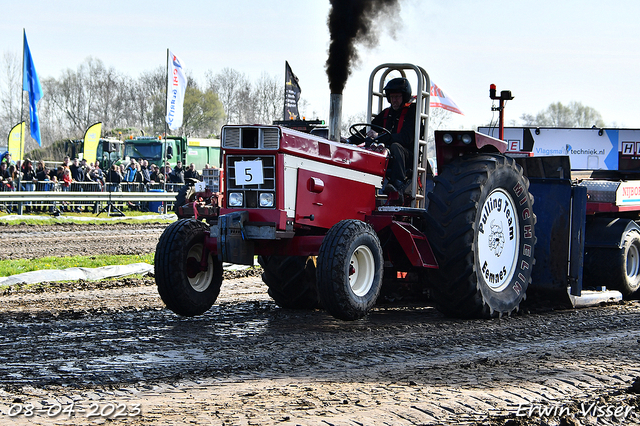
352, 23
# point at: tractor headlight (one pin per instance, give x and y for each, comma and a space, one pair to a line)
447, 138
236, 199
466, 138
266, 199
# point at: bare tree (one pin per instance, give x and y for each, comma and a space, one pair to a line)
90, 94
149, 100
437, 118
10, 92
269, 98
246, 105
347, 122
234, 91
53, 121
111, 97
93, 92
558, 115
585, 116
71, 95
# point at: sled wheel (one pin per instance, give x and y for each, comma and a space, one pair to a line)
185, 287
350, 269
618, 269
291, 280
630, 264
480, 225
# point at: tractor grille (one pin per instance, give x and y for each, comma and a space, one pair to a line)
250, 137
251, 193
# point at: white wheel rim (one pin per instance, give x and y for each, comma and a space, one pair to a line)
361, 270
203, 279
498, 240
633, 260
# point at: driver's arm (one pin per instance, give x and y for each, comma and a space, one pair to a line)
378, 120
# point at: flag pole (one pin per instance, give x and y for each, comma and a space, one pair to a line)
24, 37
22, 128
284, 107
164, 157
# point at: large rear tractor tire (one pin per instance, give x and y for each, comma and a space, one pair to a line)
480, 224
185, 287
291, 281
617, 269
350, 269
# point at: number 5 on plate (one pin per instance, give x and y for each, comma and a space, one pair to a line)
249, 172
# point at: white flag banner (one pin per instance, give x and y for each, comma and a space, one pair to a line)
175, 91
440, 100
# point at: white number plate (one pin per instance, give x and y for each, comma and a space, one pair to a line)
249, 172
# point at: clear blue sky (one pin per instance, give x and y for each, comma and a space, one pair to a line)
543, 51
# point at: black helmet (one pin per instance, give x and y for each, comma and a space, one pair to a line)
398, 85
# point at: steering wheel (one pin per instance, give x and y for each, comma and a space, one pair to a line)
357, 130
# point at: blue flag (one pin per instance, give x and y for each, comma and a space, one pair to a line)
31, 84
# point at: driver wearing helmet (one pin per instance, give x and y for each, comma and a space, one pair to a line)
399, 120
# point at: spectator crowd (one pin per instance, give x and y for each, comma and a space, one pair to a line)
79, 175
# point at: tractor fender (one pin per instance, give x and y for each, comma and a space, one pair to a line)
607, 232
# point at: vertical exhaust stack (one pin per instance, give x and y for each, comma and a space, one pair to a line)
352, 23
335, 116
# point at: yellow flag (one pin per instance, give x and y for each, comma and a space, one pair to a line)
16, 142
91, 141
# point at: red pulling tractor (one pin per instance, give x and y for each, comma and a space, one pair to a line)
313, 212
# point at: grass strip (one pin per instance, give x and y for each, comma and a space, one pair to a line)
18, 266
7, 220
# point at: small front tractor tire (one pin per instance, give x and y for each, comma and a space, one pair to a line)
480, 224
350, 270
291, 281
184, 286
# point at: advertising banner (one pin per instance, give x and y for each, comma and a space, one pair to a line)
587, 148
91, 141
15, 144
176, 87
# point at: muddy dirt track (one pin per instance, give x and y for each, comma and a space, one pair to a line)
70, 239
109, 353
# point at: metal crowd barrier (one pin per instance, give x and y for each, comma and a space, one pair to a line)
6, 205
43, 186
88, 196
85, 187
173, 187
